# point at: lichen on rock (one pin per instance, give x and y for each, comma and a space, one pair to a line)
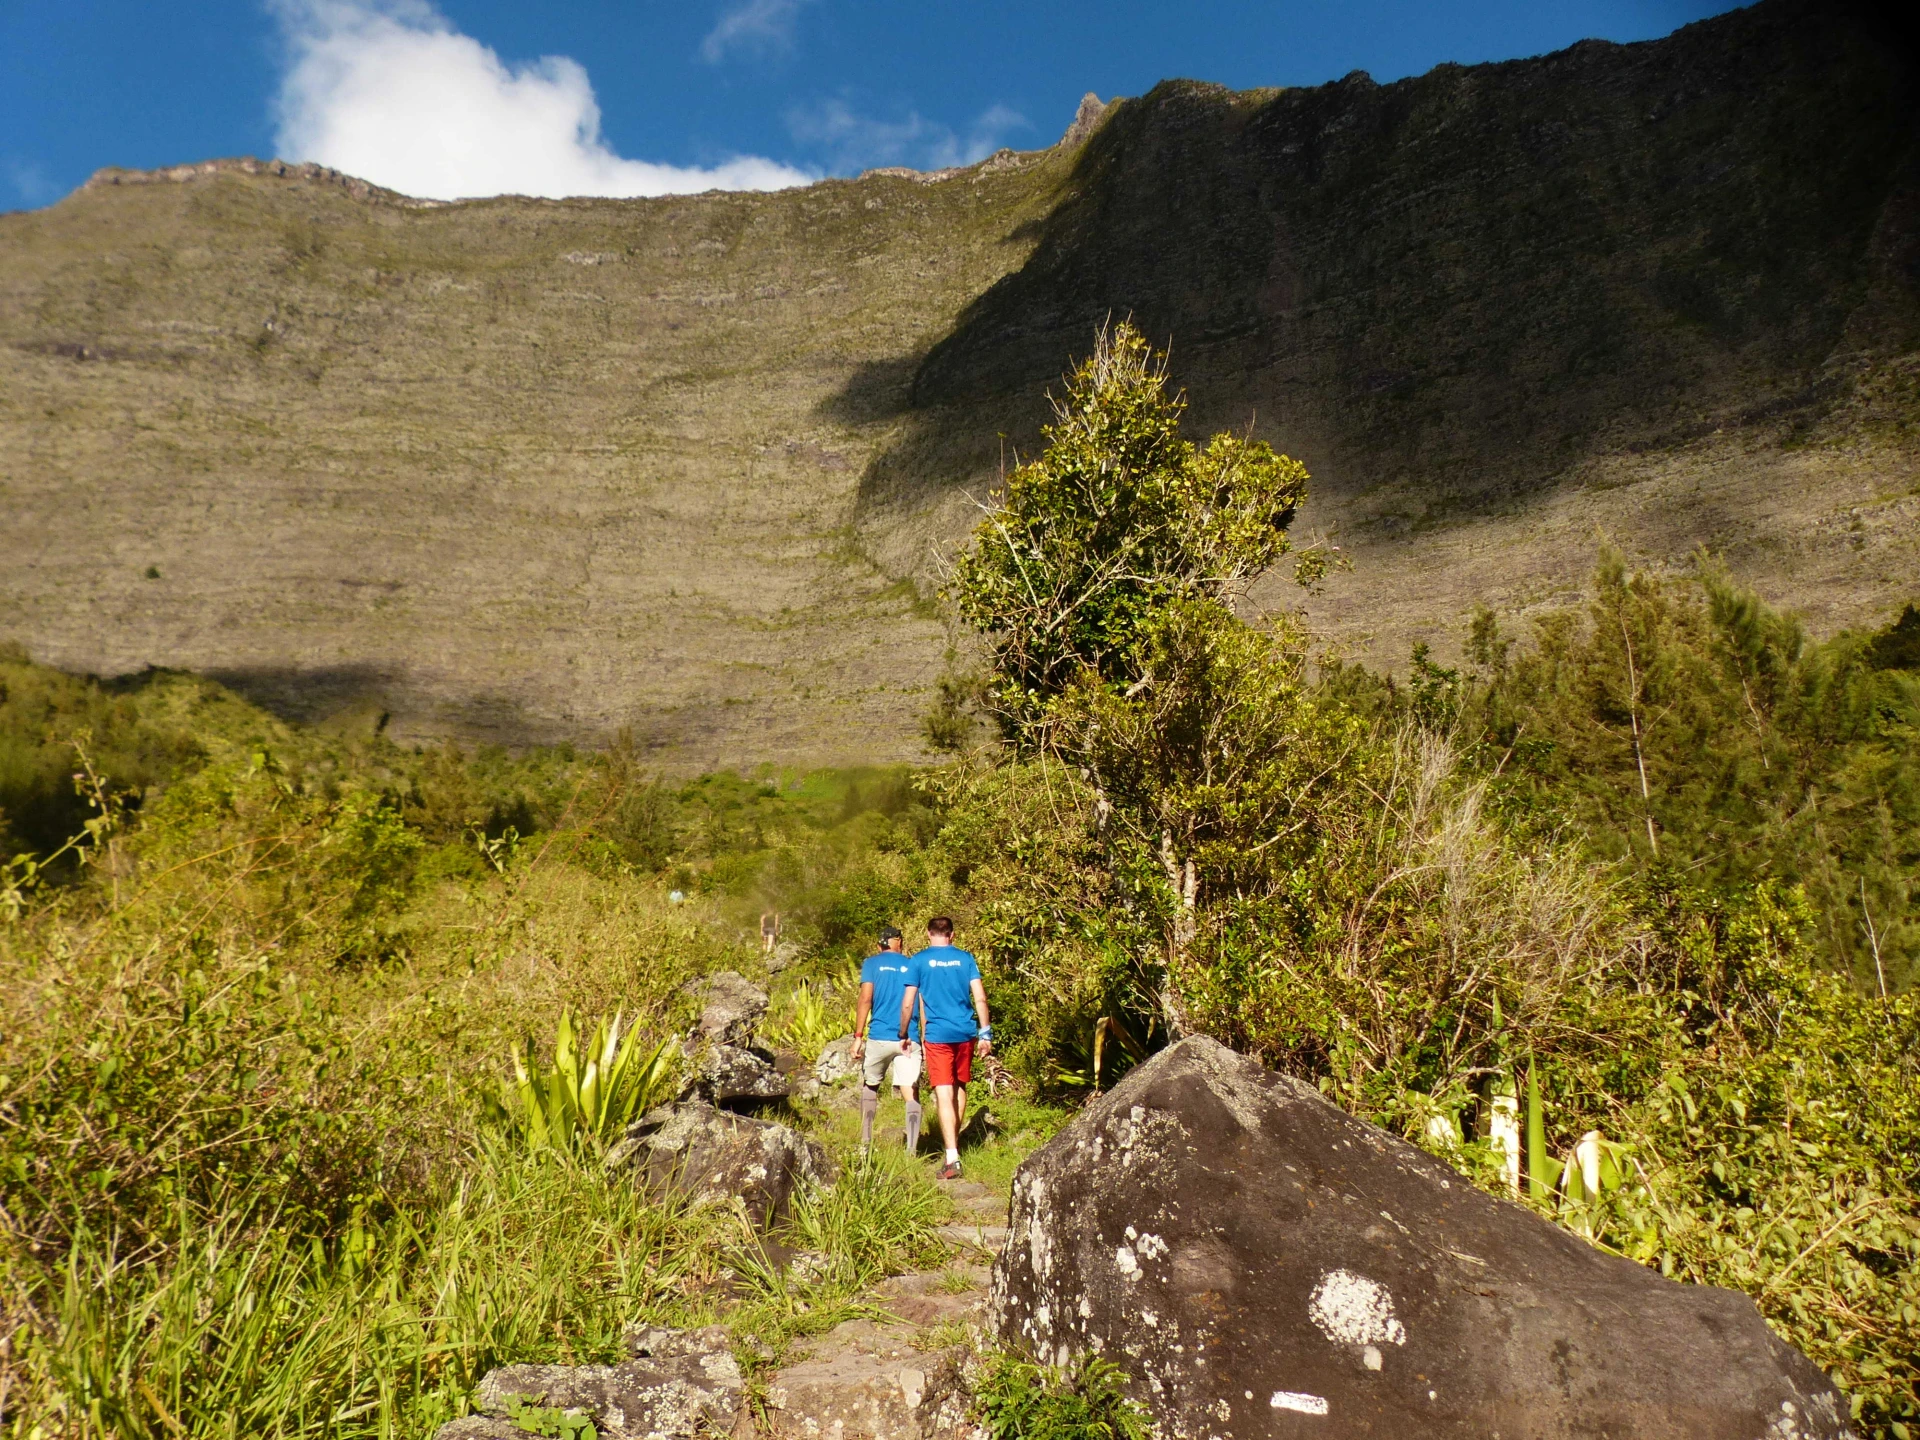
1251, 1254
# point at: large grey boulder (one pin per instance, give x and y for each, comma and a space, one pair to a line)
732, 1010
729, 1069
677, 1385
836, 1063
1264, 1264
712, 1156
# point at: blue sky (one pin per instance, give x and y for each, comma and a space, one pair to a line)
466, 97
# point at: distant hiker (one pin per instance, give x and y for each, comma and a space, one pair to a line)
769, 931
883, 989
953, 1004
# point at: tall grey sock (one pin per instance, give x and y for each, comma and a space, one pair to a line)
869, 1107
914, 1114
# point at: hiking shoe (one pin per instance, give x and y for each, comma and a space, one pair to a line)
952, 1171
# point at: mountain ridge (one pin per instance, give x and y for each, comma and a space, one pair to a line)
521, 470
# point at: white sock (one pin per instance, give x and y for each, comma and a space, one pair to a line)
953, 1157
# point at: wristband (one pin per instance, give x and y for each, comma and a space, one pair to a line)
986, 1032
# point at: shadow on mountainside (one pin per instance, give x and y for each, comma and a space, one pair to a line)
1466, 281
374, 699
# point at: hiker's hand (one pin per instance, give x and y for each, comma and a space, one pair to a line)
859, 1050
983, 1047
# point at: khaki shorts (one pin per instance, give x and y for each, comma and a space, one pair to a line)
880, 1058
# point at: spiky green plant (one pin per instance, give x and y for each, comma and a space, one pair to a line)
590, 1093
1543, 1171
809, 1020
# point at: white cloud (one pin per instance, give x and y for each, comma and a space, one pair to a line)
856, 141
30, 182
389, 91
760, 26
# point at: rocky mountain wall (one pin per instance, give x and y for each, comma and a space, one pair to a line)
529, 470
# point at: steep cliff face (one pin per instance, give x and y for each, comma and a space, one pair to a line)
508, 470
1469, 278
1466, 296
521, 469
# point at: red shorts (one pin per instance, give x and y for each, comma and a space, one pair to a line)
949, 1064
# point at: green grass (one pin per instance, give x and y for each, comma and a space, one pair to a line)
535, 1259
248, 1331
252, 1049
990, 1153
1023, 1401
1020, 1127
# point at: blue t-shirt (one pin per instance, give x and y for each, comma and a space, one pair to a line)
945, 976
889, 974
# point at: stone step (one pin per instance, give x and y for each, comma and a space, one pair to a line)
863, 1381
918, 1282
927, 1298
990, 1238
974, 1203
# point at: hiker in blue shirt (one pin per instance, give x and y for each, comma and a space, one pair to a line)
883, 987
946, 985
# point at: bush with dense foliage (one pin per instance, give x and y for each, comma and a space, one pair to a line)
1117, 519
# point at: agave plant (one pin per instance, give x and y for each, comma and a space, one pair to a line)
810, 1018
592, 1092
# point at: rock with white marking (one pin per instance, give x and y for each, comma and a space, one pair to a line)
1263, 1264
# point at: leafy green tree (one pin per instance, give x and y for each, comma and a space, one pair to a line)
1609, 858
1119, 518
1688, 728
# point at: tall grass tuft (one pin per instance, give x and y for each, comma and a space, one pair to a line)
253, 1332
876, 1220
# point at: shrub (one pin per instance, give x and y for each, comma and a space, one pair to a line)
1118, 518
1019, 1400
809, 1017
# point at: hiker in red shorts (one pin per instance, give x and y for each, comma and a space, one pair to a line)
946, 981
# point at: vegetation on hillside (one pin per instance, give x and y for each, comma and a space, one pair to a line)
1652, 869
1645, 873
256, 1175
1687, 730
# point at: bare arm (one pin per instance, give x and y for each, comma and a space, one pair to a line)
860, 1013
980, 1011
906, 1014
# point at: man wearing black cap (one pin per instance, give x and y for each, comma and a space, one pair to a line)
876, 1024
